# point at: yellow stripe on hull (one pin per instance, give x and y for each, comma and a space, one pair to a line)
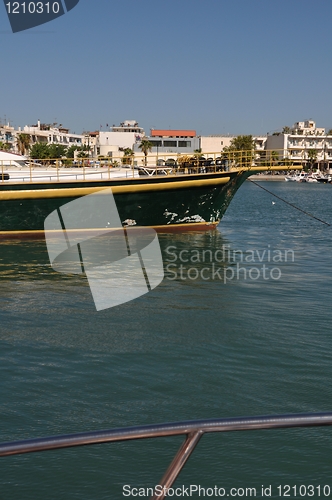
76, 192
165, 228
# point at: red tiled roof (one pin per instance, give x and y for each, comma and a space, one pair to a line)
173, 133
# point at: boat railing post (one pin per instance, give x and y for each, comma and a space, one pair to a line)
30, 170
178, 463
57, 169
3, 179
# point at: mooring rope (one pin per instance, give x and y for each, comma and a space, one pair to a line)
291, 204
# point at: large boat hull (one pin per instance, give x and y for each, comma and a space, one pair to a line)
171, 203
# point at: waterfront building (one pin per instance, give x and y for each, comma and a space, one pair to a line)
112, 143
91, 140
167, 144
215, 143
50, 134
302, 142
7, 136
173, 141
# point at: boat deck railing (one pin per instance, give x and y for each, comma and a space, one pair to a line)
192, 430
52, 170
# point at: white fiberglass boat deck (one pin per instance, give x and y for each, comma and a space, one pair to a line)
63, 174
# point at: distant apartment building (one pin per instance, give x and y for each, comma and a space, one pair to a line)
7, 136
296, 142
50, 134
39, 133
91, 140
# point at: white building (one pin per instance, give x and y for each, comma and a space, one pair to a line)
214, 143
50, 134
126, 135
7, 135
296, 143
91, 140
217, 143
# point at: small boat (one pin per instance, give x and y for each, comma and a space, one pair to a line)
324, 178
318, 176
312, 178
301, 177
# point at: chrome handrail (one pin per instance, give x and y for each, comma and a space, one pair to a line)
193, 429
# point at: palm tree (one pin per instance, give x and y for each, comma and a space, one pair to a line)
5, 146
241, 150
128, 154
23, 143
274, 157
312, 157
145, 147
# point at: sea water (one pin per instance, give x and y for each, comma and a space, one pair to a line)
239, 326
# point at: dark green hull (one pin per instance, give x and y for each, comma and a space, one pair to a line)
165, 203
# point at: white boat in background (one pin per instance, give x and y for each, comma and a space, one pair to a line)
314, 177
318, 176
12, 160
301, 177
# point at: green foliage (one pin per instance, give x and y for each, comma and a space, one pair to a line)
39, 151
312, 155
44, 151
329, 132
5, 146
286, 130
240, 152
128, 154
241, 143
83, 151
286, 161
56, 151
71, 151
23, 143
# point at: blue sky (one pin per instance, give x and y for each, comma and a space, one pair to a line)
216, 66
